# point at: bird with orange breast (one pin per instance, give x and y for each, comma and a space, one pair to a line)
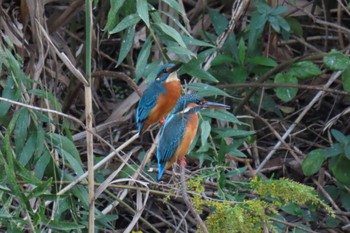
159, 98
180, 129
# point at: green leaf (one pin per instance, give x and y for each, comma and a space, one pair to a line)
128, 171
219, 21
151, 71
334, 150
229, 132
198, 72
304, 70
257, 25
263, 61
237, 171
335, 60
193, 41
331, 222
293, 209
274, 23
28, 150
263, 8
3, 174
295, 25
61, 225
67, 150
177, 22
239, 75
221, 59
221, 115
346, 79
47, 95
339, 136
202, 157
205, 132
286, 93
283, 23
175, 5
8, 92
345, 200
206, 89
237, 153
41, 164
241, 51
127, 22
127, 42
21, 129
278, 10
26, 175
347, 150
142, 59
341, 170
40, 138
42, 188
142, 10
313, 162
172, 33
181, 51
113, 14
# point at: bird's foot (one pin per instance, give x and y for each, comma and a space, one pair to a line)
182, 162
162, 121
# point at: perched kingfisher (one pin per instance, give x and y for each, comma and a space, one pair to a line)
159, 98
180, 129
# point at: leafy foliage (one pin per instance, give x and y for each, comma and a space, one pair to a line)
261, 70
339, 154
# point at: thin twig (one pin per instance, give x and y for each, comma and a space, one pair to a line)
187, 200
44, 110
119, 75
89, 114
300, 117
273, 85
99, 164
267, 75
291, 225
238, 8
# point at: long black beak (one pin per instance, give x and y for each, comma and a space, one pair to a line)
174, 68
208, 104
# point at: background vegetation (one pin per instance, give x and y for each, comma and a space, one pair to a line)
277, 162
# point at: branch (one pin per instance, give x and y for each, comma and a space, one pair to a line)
187, 200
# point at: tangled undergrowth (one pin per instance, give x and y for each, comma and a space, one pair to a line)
278, 161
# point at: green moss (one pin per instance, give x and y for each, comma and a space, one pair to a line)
283, 191
253, 215
227, 217
249, 216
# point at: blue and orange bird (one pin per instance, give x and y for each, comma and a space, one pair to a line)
180, 129
159, 98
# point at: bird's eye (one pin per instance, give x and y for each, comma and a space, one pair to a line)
160, 74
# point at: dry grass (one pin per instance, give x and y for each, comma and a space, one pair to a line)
49, 37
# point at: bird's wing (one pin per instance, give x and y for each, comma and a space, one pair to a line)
171, 136
147, 102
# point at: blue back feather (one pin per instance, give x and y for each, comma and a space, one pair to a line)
173, 130
171, 136
150, 97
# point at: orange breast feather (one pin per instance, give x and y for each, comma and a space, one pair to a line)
190, 133
166, 102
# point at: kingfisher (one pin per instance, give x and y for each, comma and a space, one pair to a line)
180, 129
159, 98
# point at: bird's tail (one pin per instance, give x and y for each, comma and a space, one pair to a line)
161, 167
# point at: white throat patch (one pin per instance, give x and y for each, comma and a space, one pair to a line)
172, 77
185, 110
